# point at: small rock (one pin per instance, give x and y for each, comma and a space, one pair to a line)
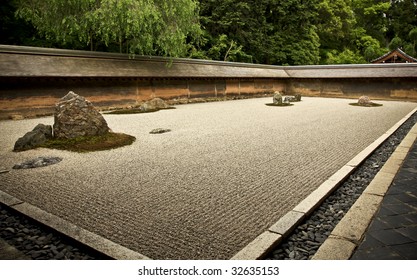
39, 135
159, 131
153, 105
42, 238
59, 256
35, 254
38, 162
11, 230
292, 255
16, 117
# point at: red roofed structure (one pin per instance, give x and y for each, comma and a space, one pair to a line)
395, 56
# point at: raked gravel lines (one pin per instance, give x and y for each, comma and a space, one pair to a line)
224, 174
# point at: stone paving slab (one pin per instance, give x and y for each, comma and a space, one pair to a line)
259, 247
392, 235
382, 223
224, 174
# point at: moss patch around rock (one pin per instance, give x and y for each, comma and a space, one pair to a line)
282, 105
372, 104
135, 111
82, 144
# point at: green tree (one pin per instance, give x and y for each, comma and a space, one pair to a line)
64, 22
371, 15
234, 25
293, 38
155, 27
265, 31
12, 31
352, 31
335, 23
395, 43
370, 47
413, 37
347, 56
402, 17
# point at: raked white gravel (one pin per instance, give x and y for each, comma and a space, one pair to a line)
224, 174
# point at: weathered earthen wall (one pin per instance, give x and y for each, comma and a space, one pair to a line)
37, 96
32, 80
376, 88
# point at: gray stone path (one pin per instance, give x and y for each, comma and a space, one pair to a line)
225, 172
392, 235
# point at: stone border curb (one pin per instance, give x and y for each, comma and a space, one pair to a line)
92, 240
349, 232
258, 248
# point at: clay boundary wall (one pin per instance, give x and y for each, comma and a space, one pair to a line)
33, 79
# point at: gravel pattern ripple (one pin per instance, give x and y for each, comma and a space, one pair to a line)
306, 239
224, 174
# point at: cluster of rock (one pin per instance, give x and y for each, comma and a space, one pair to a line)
74, 117
365, 101
282, 100
154, 105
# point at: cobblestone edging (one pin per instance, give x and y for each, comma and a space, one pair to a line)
306, 239
38, 242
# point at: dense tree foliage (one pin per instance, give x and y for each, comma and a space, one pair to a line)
135, 26
291, 32
402, 16
272, 32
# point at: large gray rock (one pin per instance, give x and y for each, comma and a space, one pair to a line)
39, 135
75, 116
364, 101
277, 99
154, 105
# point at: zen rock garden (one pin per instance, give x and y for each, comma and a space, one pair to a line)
76, 118
365, 101
149, 106
284, 100
78, 126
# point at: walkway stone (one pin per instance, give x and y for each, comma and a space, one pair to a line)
392, 234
